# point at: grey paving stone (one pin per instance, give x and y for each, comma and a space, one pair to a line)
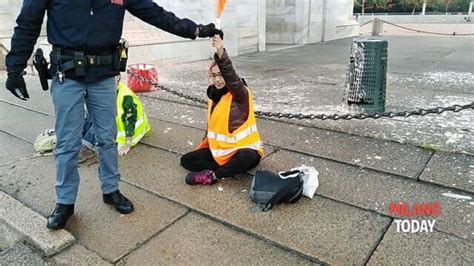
367, 152
375, 191
97, 225
25, 124
452, 170
8, 237
32, 226
21, 255
173, 137
176, 112
13, 149
78, 255
206, 242
39, 100
448, 131
436, 248
318, 228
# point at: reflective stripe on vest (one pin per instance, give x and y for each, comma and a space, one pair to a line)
234, 139
223, 152
141, 126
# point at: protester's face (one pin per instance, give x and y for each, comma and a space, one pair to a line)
216, 78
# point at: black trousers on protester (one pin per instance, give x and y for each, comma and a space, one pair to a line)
199, 160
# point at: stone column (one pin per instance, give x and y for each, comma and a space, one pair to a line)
262, 20
377, 26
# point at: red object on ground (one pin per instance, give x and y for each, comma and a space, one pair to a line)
145, 71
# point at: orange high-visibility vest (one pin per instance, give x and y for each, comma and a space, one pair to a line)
220, 141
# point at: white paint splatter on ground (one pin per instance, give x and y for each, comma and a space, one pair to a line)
295, 91
457, 79
456, 196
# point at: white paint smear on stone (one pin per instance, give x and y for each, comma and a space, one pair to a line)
456, 196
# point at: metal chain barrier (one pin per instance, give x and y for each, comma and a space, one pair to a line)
427, 32
365, 23
420, 112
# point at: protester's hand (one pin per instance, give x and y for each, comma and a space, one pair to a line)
218, 44
124, 150
209, 30
16, 85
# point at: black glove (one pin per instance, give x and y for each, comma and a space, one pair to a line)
209, 30
16, 84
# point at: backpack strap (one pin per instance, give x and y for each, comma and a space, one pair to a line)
274, 200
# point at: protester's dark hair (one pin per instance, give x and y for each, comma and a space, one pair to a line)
213, 64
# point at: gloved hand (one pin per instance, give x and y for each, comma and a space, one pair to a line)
16, 84
209, 30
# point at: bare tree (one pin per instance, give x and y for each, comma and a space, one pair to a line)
448, 3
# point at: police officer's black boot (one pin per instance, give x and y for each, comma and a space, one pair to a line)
60, 215
118, 201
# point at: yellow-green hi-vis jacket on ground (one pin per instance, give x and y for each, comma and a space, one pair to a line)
131, 119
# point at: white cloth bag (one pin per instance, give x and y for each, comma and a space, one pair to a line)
310, 179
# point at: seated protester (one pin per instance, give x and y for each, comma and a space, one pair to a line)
232, 144
132, 122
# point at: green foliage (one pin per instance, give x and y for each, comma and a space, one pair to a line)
385, 6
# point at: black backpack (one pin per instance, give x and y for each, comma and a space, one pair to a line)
269, 189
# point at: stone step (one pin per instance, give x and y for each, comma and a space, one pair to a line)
436, 248
375, 191
451, 170
13, 149
196, 240
97, 226
380, 155
31, 226
22, 123
21, 255
78, 255
318, 228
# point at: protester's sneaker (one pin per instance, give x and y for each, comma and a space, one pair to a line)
205, 177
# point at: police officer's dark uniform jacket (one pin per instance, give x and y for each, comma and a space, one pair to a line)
91, 26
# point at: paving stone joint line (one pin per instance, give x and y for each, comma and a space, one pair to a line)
424, 167
220, 221
379, 241
372, 169
142, 243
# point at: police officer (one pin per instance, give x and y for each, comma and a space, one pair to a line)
85, 59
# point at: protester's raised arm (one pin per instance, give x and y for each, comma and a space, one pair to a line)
233, 81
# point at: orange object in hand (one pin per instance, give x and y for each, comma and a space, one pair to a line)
220, 7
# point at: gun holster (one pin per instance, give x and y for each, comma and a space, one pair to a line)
41, 66
121, 56
79, 63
